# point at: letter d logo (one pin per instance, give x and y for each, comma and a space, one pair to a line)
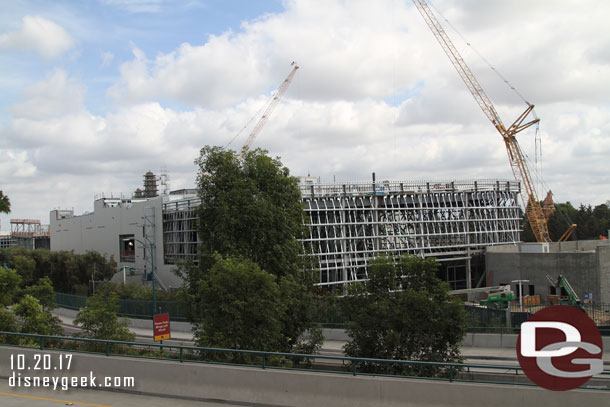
560, 348
528, 338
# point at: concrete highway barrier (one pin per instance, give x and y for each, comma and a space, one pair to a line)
297, 388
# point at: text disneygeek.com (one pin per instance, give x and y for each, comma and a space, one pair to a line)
22, 365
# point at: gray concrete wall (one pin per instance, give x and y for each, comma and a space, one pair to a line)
480, 340
101, 231
295, 388
603, 265
581, 268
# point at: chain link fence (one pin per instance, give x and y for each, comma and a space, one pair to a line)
128, 308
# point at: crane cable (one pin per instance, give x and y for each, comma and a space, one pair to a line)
493, 68
537, 140
256, 115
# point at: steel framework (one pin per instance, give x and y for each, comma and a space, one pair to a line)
352, 223
180, 230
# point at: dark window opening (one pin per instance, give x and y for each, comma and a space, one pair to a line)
127, 246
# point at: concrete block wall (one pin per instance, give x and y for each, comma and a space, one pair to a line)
587, 271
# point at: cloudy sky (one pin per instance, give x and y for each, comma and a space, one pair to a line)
96, 93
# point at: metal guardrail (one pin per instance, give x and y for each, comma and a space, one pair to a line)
268, 360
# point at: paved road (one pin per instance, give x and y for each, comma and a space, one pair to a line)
18, 397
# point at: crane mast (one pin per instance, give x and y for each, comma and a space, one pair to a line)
517, 160
275, 100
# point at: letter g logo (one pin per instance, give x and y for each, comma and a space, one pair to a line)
560, 348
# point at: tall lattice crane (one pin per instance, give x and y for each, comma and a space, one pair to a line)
274, 101
517, 160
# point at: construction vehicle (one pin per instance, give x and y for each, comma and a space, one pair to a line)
499, 300
270, 108
497, 296
518, 163
572, 298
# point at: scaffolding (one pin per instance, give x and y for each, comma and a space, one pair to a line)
29, 233
28, 228
351, 223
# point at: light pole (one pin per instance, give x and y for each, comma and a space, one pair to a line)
151, 249
521, 292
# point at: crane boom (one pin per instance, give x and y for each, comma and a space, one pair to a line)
276, 98
517, 160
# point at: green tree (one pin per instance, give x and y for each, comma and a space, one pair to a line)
26, 267
8, 324
404, 312
9, 286
251, 209
5, 203
99, 320
69, 272
43, 292
241, 307
34, 319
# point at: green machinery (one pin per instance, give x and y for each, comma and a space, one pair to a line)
499, 299
497, 296
572, 297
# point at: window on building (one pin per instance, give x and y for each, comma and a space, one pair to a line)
455, 275
532, 290
127, 246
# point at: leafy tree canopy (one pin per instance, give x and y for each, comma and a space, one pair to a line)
404, 312
43, 292
250, 220
35, 319
68, 272
9, 286
26, 267
251, 207
592, 222
241, 307
99, 320
7, 321
5, 203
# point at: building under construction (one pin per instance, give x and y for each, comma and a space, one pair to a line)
351, 223
453, 221
29, 233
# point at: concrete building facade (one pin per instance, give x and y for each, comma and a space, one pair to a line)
585, 264
125, 229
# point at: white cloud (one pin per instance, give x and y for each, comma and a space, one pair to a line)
107, 58
347, 51
374, 93
55, 96
39, 35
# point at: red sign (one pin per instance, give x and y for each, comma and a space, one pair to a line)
560, 348
161, 327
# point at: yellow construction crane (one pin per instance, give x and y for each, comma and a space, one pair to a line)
517, 160
274, 101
